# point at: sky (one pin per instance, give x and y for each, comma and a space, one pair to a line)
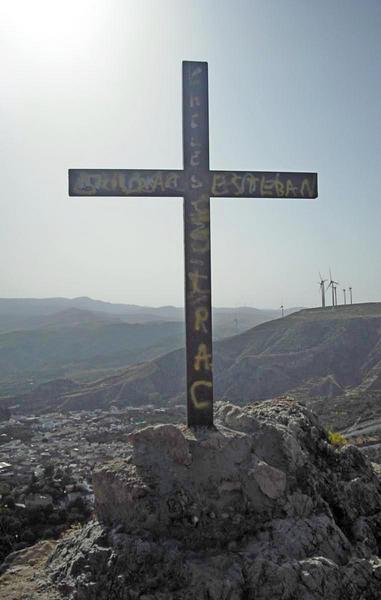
294, 85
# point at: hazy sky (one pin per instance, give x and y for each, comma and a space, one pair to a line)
293, 84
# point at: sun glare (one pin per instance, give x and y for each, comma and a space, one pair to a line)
51, 28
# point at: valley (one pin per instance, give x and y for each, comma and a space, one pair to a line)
315, 352
85, 339
53, 435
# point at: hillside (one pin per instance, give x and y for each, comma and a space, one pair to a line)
28, 313
313, 353
31, 313
37, 345
81, 345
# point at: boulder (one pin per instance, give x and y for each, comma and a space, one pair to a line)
261, 507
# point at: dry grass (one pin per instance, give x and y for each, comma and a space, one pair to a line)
25, 578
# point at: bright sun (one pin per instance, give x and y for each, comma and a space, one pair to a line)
57, 29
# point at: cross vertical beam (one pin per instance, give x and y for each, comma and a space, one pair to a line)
196, 184
198, 305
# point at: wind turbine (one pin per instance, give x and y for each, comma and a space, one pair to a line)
322, 290
350, 294
332, 284
345, 295
282, 308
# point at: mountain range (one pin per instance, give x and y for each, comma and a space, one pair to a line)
29, 313
89, 339
324, 356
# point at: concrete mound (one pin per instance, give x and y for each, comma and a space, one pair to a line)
262, 507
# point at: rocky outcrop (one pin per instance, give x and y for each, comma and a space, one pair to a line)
262, 507
23, 574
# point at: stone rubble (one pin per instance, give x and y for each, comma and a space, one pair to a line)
261, 507
46, 465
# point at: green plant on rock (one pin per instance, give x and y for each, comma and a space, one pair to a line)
337, 439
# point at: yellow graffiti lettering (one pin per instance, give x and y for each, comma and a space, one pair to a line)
307, 184
194, 120
219, 185
84, 185
252, 181
136, 184
200, 247
123, 184
195, 101
114, 181
266, 186
195, 182
201, 207
195, 158
103, 183
291, 190
196, 278
195, 76
194, 143
201, 317
203, 357
200, 218
200, 234
279, 188
238, 182
157, 183
172, 181
199, 404
96, 180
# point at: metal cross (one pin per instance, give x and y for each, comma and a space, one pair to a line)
196, 183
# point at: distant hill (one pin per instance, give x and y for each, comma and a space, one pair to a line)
29, 313
313, 353
88, 344
82, 345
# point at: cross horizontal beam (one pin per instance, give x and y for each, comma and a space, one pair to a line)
126, 182
217, 184
196, 183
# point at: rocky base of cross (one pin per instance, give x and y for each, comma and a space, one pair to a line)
263, 507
